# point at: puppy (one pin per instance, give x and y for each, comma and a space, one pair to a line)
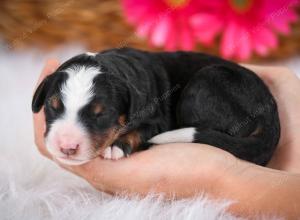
119, 101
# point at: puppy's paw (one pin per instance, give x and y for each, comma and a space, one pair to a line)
113, 153
116, 153
106, 154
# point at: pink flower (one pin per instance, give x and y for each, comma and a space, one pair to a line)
164, 22
245, 26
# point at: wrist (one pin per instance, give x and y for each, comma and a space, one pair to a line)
257, 190
286, 157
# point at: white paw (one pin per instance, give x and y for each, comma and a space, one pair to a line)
116, 153
107, 153
112, 153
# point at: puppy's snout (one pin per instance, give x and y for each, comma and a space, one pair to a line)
68, 146
69, 151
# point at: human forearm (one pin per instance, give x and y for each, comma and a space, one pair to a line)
254, 190
263, 191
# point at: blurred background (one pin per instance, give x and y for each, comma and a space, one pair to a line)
31, 31
247, 30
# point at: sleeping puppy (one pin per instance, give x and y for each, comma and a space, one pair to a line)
120, 101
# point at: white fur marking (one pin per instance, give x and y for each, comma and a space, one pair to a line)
116, 153
77, 90
91, 54
112, 153
107, 153
183, 135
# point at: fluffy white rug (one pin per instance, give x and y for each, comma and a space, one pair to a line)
32, 187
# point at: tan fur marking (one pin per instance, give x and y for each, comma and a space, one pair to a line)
122, 120
97, 108
257, 131
133, 139
100, 142
55, 102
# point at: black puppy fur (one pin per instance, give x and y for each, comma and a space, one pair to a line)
230, 107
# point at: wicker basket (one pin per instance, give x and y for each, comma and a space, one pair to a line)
97, 24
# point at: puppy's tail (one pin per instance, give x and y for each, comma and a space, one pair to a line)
252, 148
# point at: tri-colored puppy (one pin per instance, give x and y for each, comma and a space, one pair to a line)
119, 101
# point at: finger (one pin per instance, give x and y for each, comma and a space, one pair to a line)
39, 118
109, 175
101, 167
260, 69
271, 75
104, 175
39, 130
85, 170
100, 173
50, 66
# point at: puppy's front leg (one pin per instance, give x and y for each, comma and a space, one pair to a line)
123, 146
117, 151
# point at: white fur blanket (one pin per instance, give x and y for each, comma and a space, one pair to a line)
32, 187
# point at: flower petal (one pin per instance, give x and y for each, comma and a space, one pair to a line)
264, 40
243, 48
160, 31
205, 27
136, 14
187, 41
228, 41
203, 20
267, 37
260, 48
282, 26
171, 43
293, 17
144, 28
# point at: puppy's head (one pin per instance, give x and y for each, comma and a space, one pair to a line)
83, 111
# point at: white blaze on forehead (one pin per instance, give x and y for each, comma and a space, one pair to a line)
78, 88
90, 54
76, 93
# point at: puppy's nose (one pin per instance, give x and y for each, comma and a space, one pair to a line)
69, 149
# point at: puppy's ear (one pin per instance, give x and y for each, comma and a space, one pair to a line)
41, 92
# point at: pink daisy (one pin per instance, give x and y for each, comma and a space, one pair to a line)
164, 22
245, 26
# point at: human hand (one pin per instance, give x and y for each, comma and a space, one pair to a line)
150, 167
39, 118
285, 87
183, 170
